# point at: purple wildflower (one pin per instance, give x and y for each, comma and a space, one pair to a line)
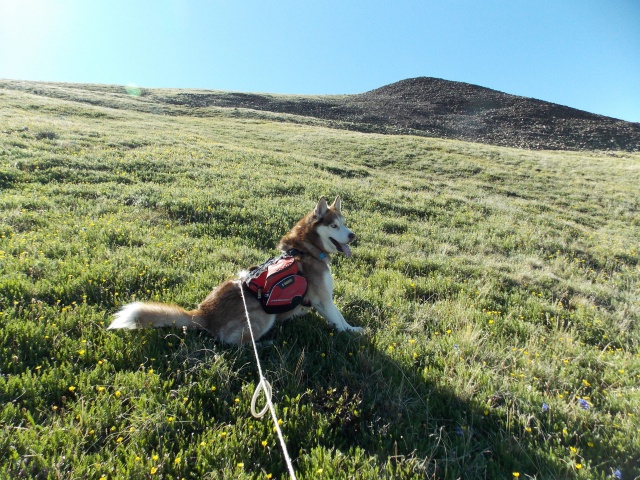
459, 431
618, 474
584, 404
545, 407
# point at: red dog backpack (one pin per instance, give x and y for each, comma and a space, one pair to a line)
277, 284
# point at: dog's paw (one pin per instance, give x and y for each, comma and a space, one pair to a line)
355, 329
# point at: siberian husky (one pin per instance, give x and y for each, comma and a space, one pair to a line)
314, 238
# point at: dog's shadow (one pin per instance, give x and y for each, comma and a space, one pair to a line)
385, 405
348, 392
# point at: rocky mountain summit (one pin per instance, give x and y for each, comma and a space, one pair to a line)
468, 112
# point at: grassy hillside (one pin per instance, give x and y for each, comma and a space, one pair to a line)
420, 106
499, 290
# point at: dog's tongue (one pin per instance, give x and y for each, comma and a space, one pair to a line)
345, 249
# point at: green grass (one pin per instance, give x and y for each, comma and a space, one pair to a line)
490, 281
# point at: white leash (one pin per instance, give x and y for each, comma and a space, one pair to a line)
266, 386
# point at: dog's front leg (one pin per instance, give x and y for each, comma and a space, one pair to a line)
331, 314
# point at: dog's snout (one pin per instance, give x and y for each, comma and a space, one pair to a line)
352, 237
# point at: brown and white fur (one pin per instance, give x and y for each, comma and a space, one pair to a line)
321, 231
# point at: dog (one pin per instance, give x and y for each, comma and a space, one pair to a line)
312, 241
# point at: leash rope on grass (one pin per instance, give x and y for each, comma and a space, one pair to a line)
266, 386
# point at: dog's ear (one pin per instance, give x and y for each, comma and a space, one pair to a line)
337, 205
321, 208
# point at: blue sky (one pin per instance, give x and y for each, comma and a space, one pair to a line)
580, 53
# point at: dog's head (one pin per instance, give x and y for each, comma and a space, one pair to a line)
329, 224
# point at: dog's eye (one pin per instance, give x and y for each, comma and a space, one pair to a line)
334, 226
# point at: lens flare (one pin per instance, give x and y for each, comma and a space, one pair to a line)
133, 90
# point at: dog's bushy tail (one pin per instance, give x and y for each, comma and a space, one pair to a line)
155, 315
